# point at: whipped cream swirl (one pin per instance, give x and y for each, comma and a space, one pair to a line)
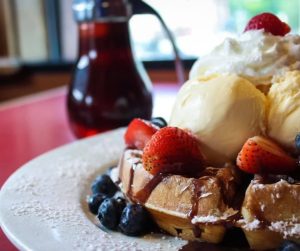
255, 55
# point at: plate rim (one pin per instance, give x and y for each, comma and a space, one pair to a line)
23, 244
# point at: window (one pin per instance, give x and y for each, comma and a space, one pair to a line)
199, 25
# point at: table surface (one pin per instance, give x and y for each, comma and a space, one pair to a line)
38, 123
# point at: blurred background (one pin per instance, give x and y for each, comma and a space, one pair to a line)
38, 38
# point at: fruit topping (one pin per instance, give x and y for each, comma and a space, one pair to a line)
109, 213
159, 121
94, 201
260, 155
121, 204
289, 246
297, 142
138, 133
103, 184
134, 220
173, 150
270, 23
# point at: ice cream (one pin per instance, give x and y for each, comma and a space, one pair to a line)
255, 55
284, 109
223, 111
247, 86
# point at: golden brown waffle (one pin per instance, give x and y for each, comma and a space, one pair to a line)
271, 212
191, 208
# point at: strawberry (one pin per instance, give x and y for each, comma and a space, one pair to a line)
268, 22
138, 133
261, 155
173, 150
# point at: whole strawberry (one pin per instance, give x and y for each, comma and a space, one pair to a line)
138, 133
270, 23
260, 155
173, 150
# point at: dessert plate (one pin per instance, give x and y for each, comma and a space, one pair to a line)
43, 205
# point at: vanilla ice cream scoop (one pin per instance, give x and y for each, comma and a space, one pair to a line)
284, 109
223, 112
255, 55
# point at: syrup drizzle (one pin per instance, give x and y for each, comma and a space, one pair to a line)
232, 242
194, 209
143, 195
131, 177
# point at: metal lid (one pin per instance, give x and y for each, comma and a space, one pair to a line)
93, 10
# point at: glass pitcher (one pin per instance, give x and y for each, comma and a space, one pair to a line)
109, 87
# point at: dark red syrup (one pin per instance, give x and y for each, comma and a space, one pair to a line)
108, 89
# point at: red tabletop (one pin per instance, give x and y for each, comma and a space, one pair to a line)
33, 125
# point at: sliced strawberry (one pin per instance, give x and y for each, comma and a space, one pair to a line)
173, 150
268, 22
262, 156
138, 133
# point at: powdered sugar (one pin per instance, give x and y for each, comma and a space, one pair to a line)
273, 198
262, 206
205, 219
182, 189
256, 186
205, 195
217, 217
134, 158
43, 205
288, 229
252, 225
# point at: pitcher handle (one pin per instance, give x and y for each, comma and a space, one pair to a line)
140, 7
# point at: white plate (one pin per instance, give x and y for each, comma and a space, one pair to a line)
43, 205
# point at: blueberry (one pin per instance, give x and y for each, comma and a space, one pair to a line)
289, 246
108, 214
297, 142
158, 121
94, 201
121, 204
110, 211
135, 220
104, 184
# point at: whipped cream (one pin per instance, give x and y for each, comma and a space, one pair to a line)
255, 55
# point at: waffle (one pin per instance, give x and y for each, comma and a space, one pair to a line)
271, 212
191, 208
